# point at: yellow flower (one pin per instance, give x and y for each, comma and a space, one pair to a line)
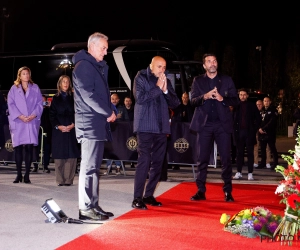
247, 214
241, 213
247, 211
224, 218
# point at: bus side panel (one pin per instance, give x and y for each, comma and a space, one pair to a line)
8, 75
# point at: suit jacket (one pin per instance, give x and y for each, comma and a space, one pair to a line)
253, 120
269, 121
151, 105
226, 88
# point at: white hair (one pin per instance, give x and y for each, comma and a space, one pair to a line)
95, 38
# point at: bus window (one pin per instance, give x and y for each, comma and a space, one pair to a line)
124, 58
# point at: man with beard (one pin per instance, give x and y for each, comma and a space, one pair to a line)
212, 94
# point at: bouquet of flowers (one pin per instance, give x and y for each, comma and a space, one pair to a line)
289, 189
252, 222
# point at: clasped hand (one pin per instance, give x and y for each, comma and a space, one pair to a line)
162, 82
65, 129
213, 94
27, 118
112, 118
261, 131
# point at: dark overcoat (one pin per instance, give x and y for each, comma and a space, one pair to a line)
253, 119
64, 145
92, 97
152, 106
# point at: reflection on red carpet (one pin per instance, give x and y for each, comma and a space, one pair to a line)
184, 224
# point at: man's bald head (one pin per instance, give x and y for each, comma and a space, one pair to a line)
158, 66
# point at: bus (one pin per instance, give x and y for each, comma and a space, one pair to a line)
124, 58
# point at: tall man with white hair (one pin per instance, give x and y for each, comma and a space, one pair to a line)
93, 113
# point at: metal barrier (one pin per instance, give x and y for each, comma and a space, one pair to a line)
41, 155
110, 166
181, 148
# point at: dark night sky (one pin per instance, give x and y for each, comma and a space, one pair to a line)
40, 24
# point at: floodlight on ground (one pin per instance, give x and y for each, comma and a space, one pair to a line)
54, 213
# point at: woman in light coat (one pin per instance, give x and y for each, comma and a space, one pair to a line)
25, 106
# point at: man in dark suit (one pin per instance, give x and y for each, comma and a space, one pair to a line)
154, 95
184, 112
128, 110
246, 123
212, 94
93, 113
268, 129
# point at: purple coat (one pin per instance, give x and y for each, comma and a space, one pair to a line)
20, 104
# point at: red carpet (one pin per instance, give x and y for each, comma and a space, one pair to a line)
184, 224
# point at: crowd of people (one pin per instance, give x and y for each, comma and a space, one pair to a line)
77, 123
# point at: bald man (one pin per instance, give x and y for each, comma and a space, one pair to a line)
154, 95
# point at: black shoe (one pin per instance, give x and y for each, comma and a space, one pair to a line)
176, 167
132, 165
27, 181
34, 170
228, 197
139, 204
90, 214
100, 211
18, 179
60, 185
150, 200
67, 185
198, 196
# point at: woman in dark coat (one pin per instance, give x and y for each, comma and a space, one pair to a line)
65, 149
